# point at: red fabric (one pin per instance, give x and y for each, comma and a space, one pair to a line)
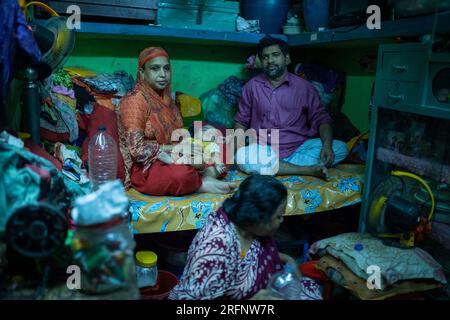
308, 269
103, 116
37, 150
83, 122
148, 54
163, 98
53, 136
165, 179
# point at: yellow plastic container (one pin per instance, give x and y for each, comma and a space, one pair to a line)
146, 268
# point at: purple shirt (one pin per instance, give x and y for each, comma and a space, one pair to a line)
293, 108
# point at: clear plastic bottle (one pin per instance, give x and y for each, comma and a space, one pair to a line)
286, 284
102, 154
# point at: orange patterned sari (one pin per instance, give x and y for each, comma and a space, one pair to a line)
146, 119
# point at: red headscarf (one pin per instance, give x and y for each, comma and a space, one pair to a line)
145, 56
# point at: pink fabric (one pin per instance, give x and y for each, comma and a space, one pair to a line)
293, 108
64, 91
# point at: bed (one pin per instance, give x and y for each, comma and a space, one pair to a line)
307, 195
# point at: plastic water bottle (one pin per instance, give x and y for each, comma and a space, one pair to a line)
102, 153
286, 284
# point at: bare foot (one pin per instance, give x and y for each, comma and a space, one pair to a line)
211, 172
318, 171
211, 185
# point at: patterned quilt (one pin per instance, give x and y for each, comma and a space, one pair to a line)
307, 195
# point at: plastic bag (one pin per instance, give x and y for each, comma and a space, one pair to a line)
216, 110
220, 105
103, 243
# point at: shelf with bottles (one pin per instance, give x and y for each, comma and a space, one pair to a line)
407, 27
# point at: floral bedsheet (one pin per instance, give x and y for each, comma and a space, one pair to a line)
307, 195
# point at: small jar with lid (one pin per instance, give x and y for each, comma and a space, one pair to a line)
146, 268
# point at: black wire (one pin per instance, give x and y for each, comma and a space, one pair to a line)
333, 33
350, 29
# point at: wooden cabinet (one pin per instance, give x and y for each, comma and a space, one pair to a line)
129, 9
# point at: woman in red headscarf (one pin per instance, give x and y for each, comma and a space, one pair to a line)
147, 119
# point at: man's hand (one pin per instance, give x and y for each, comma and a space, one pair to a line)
240, 142
326, 135
327, 155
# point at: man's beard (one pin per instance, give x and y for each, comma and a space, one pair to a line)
274, 74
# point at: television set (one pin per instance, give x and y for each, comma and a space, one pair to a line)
353, 12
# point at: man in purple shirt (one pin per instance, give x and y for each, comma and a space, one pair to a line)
278, 99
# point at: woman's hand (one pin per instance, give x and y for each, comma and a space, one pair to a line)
264, 294
165, 154
287, 259
165, 157
189, 154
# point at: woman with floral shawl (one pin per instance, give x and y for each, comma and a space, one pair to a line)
234, 255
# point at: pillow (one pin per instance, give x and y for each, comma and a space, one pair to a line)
338, 272
395, 264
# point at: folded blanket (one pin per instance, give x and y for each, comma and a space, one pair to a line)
362, 252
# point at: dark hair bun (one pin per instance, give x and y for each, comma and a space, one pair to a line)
256, 200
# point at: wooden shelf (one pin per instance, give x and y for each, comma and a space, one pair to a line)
236, 38
411, 27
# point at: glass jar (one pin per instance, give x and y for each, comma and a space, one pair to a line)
104, 253
146, 268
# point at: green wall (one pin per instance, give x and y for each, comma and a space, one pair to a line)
359, 64
357, 97
197, 68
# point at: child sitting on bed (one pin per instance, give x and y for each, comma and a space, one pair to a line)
213, 144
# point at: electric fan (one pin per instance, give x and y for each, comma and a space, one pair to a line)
396, 218
56, 42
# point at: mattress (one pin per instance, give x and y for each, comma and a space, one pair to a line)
306, 195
